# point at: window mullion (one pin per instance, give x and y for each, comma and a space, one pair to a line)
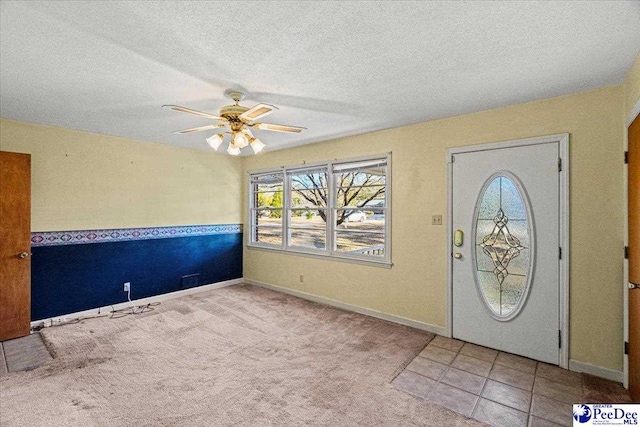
286, 196
331, 202
253, 224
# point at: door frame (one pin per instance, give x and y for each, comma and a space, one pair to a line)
563, 146
635, 112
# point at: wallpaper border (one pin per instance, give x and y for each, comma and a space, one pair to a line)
79, 237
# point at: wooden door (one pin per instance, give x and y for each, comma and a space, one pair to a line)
15, 245
634, 259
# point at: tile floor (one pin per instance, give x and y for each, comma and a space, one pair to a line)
23, 354
501, 389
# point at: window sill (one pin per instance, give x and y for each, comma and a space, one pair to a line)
350, 260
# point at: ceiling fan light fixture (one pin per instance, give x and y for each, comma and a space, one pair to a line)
214, 141
248, 133
233, 149
257, 145
240, 139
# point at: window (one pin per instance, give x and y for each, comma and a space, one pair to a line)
503, 244
307, 216
338, 209
266, 209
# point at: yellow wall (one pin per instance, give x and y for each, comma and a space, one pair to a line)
83, 181
415, 287
87, 181
632, 88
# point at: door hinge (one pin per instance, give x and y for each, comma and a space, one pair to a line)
560, 252
626, 347
626, 252
626, 157
559, 339
559, 164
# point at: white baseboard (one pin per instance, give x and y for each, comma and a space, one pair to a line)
137, 302
574, 365
598, 371
350, 307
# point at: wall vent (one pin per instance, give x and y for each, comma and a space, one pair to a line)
189, 281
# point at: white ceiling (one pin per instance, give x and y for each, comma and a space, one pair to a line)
337, 68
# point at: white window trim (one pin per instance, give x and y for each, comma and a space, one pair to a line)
329, 252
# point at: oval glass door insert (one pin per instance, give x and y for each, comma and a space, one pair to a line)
503, 242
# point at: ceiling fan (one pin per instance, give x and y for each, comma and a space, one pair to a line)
239, 119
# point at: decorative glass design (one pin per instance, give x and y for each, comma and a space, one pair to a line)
502, 246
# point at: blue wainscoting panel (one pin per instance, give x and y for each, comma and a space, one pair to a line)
70, 277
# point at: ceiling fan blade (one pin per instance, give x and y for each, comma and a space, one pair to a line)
200, 128
194, 112
258, 111
279, 128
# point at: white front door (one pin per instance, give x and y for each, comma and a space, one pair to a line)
505, 232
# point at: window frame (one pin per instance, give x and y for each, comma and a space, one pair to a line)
330, 228
252, 211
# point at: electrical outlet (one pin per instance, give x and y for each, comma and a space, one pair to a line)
127, 287
436, 220
301, 278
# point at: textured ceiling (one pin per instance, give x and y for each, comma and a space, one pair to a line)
337, 68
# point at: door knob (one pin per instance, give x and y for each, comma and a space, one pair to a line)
23, 255
457, 255
633, 286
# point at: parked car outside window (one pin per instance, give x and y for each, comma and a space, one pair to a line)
357, 216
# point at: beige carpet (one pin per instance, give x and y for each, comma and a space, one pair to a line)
235, 356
